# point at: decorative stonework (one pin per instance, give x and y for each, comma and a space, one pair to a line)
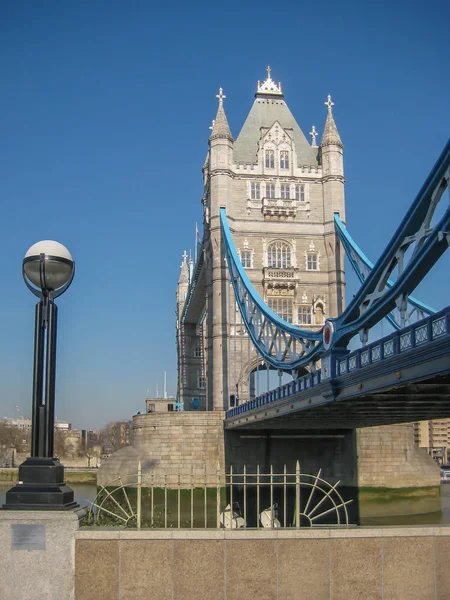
269, 86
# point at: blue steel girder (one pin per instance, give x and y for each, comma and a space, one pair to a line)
287, 347
363, 266
378, 296
282, 345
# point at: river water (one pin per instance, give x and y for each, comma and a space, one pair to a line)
85, 493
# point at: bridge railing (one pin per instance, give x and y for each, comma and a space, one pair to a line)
422, 333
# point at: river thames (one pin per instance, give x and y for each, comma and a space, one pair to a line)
86, 493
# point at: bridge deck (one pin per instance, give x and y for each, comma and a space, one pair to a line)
402, 378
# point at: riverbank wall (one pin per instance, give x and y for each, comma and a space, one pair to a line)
71, 476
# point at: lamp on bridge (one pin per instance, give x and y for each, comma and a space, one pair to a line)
48, 269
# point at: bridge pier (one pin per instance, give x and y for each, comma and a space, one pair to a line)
379, 468
333, 453
372, 464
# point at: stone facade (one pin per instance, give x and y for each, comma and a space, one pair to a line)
280, 193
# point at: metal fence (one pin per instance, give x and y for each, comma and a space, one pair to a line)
232, 500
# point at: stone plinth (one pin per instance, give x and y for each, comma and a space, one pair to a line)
38, 554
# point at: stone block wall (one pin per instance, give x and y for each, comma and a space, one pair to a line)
388, 457
176, 443
192, 443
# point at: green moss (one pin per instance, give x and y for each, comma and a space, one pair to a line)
380, 495
74, 476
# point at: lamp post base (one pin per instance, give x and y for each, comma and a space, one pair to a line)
41, 487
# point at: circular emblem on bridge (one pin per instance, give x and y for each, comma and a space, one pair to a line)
328, 331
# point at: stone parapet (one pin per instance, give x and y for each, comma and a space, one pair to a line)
323, 564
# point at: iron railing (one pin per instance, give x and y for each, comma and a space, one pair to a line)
246, 499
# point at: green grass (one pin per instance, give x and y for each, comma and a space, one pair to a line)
185, 508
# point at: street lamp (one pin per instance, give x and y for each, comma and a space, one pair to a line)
48, 269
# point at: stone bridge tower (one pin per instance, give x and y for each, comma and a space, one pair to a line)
280, 193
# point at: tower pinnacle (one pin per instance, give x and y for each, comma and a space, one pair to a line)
184, 274
330, 132
220, 128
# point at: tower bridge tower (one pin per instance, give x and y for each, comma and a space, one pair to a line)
280, 192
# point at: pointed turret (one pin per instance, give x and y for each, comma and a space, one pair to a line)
220, 127
182, 288
184, 273
330, 132
331, 154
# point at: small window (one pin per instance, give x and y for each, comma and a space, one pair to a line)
246, 259
201, 383
284, 159
304, 315
197, 352
170, 407
270, 190
255, 191
300, 193
270, 159
284, 189
282, 306
311, 261
150, 408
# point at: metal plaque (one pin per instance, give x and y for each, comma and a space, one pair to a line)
28, 537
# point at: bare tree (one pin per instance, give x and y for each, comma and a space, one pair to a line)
12, 436
60, 445
115, 435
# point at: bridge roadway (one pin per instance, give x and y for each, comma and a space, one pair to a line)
401, 378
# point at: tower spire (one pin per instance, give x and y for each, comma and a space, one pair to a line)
184, 273
330, 132
220, 128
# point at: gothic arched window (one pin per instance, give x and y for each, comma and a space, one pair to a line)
270, 159
284, 159
279, 255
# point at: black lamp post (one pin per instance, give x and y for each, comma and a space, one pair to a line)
48, 270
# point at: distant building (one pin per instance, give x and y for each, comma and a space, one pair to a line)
63, 425
160, 405
434, 437
24, 424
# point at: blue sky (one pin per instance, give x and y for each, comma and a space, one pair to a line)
104, 130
